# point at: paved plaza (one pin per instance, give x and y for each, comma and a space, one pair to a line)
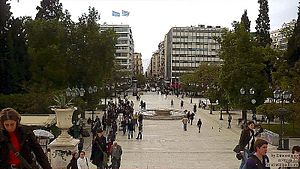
166, 146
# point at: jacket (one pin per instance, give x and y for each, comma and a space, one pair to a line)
28, 144
245, 137
254, 163
82, 163
116, 152
97, 154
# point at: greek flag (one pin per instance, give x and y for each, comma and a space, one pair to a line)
114, 13
125, 13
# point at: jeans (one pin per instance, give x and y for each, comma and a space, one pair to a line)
246, 155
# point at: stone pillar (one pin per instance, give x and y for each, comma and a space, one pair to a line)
62, 147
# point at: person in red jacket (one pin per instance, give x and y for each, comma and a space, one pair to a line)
22, 138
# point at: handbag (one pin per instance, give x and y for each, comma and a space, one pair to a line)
237, 149
105, 156
21, 158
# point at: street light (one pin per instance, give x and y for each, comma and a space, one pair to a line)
92, 90
244, 92
282, 96
75, 91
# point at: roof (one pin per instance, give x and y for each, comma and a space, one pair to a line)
38, 120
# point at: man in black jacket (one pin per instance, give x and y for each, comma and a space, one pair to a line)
259, 159
99, 150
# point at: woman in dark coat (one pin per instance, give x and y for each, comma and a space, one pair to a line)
99, 150
73, 162
22, 139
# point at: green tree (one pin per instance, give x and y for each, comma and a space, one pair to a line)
49, 9
242, 68
263, 24
18, 62
4, 49
245, 21
14, 61
48, 54
293, 49
296, 82
287, 29
94, 51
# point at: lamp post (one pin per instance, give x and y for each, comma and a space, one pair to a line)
92, 90
75, 91
244, 93
282, 96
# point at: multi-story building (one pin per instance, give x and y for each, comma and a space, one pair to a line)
161, 64
279, 40
155, 64
137, 63
124, 46
187, 47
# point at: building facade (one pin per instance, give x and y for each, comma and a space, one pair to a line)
187, 47
137, 63
279, 39
124, 46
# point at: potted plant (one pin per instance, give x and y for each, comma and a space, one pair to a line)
64, 110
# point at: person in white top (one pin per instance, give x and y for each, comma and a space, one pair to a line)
82, 161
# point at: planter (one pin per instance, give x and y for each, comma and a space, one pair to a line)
64, 122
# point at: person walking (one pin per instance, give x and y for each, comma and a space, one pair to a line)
192, 115
18, 139
199, 124
82, 161
246, 142
116, 155
172, 102
181, 104
130, 128
73, 162
229, 120
184, 122
195, 108
139, 136
259, 159
99, 150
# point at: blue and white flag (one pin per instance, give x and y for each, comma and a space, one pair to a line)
114, 13
125, 13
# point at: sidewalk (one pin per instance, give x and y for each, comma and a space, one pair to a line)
166, 146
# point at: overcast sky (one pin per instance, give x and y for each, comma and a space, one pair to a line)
150, 20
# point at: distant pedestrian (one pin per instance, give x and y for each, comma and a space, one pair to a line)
192, 117
116, 155
188, 116
172, 102
184, 122
229, 120
140, 118
80, 144
181, 104
195, 108
199, 124
139, 136
130, 129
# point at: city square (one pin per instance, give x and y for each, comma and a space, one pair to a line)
149, 84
